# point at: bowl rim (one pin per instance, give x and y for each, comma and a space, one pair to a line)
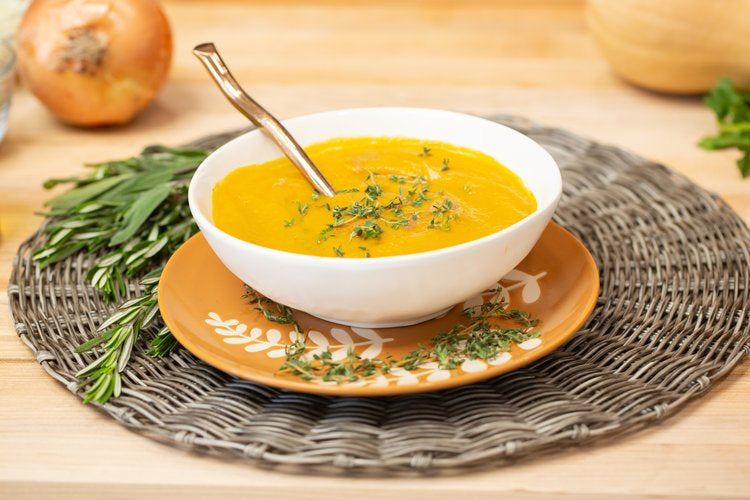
204, 221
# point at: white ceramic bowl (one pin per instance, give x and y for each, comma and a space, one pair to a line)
384, 291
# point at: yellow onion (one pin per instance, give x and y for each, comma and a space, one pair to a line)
94, 62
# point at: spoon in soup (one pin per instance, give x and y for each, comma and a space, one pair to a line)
209, 56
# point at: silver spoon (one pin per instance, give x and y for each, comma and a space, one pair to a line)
264, 120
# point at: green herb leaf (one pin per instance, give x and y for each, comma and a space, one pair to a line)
139, 211
272, 311
302, 208
744, 164
728, 103
85, 192
732, 109
368, 230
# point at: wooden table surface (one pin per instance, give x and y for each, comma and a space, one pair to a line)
531, 58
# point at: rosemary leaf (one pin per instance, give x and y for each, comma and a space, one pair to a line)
139, 211
162, 344
84, 192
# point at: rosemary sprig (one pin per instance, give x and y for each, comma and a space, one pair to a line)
135, 208
117, 336
133, 213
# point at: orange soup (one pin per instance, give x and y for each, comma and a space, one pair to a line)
395, 196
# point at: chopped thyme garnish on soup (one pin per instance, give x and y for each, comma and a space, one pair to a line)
394, 196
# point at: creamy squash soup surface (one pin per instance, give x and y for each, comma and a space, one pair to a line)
395, 196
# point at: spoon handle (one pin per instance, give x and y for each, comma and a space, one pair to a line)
264, 120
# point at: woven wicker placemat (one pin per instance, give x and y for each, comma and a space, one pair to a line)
672, 318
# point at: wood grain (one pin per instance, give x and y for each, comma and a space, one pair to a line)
529, 58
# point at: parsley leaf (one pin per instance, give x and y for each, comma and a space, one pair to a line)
732, 109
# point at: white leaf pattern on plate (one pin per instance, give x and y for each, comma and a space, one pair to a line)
499, 360
530, 344
341, 335
473, 366
261, 346
318, 338
531, 291
238, 340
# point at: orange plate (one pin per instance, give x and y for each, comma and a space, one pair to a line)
201, 303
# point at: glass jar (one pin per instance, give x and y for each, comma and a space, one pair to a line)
7, 63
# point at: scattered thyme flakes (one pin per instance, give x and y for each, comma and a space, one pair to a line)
425, 152
289, 222
272, 311
373, 191
315, 195
321, 366
478, 335
367, 252
418, 196
338, 251
368, 216
368, 230
442, 215
446, 164
302, 208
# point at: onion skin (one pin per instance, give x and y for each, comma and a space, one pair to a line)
674, 46
94, 62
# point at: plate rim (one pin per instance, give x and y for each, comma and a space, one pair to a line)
236, 369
